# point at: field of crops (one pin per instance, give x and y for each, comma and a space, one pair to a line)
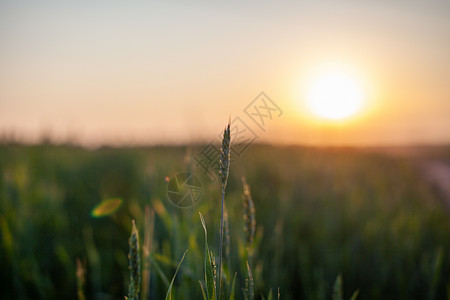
372, 217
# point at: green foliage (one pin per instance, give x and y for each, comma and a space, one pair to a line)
372, 217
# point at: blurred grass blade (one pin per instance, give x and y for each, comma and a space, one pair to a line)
159, 270
203, 291
7, 237
81, 279
233, 287
435, 278
270, 295
169, 291
149, 225
208, 266
93, 257
355, 295
337, 288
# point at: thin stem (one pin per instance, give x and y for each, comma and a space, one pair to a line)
220, 246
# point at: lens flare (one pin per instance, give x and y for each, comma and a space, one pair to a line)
106, 208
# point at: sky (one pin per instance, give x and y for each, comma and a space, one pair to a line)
150, 72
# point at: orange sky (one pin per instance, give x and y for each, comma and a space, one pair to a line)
141, 72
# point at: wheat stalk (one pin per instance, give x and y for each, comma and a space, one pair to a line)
81, 280
147, 249
135, 264
227, 242
250, 284
224, 168
249, 231
249, 219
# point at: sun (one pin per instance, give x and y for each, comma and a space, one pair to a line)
335, 95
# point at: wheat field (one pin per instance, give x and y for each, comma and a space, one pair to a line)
304, 222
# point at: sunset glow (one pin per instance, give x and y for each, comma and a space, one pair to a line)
335, 95
155, 72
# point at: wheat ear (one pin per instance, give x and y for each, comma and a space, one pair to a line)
224, 170
135, 264
249, 219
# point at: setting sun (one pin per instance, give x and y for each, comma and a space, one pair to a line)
335, 95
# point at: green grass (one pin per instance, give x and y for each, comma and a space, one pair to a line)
319, 213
